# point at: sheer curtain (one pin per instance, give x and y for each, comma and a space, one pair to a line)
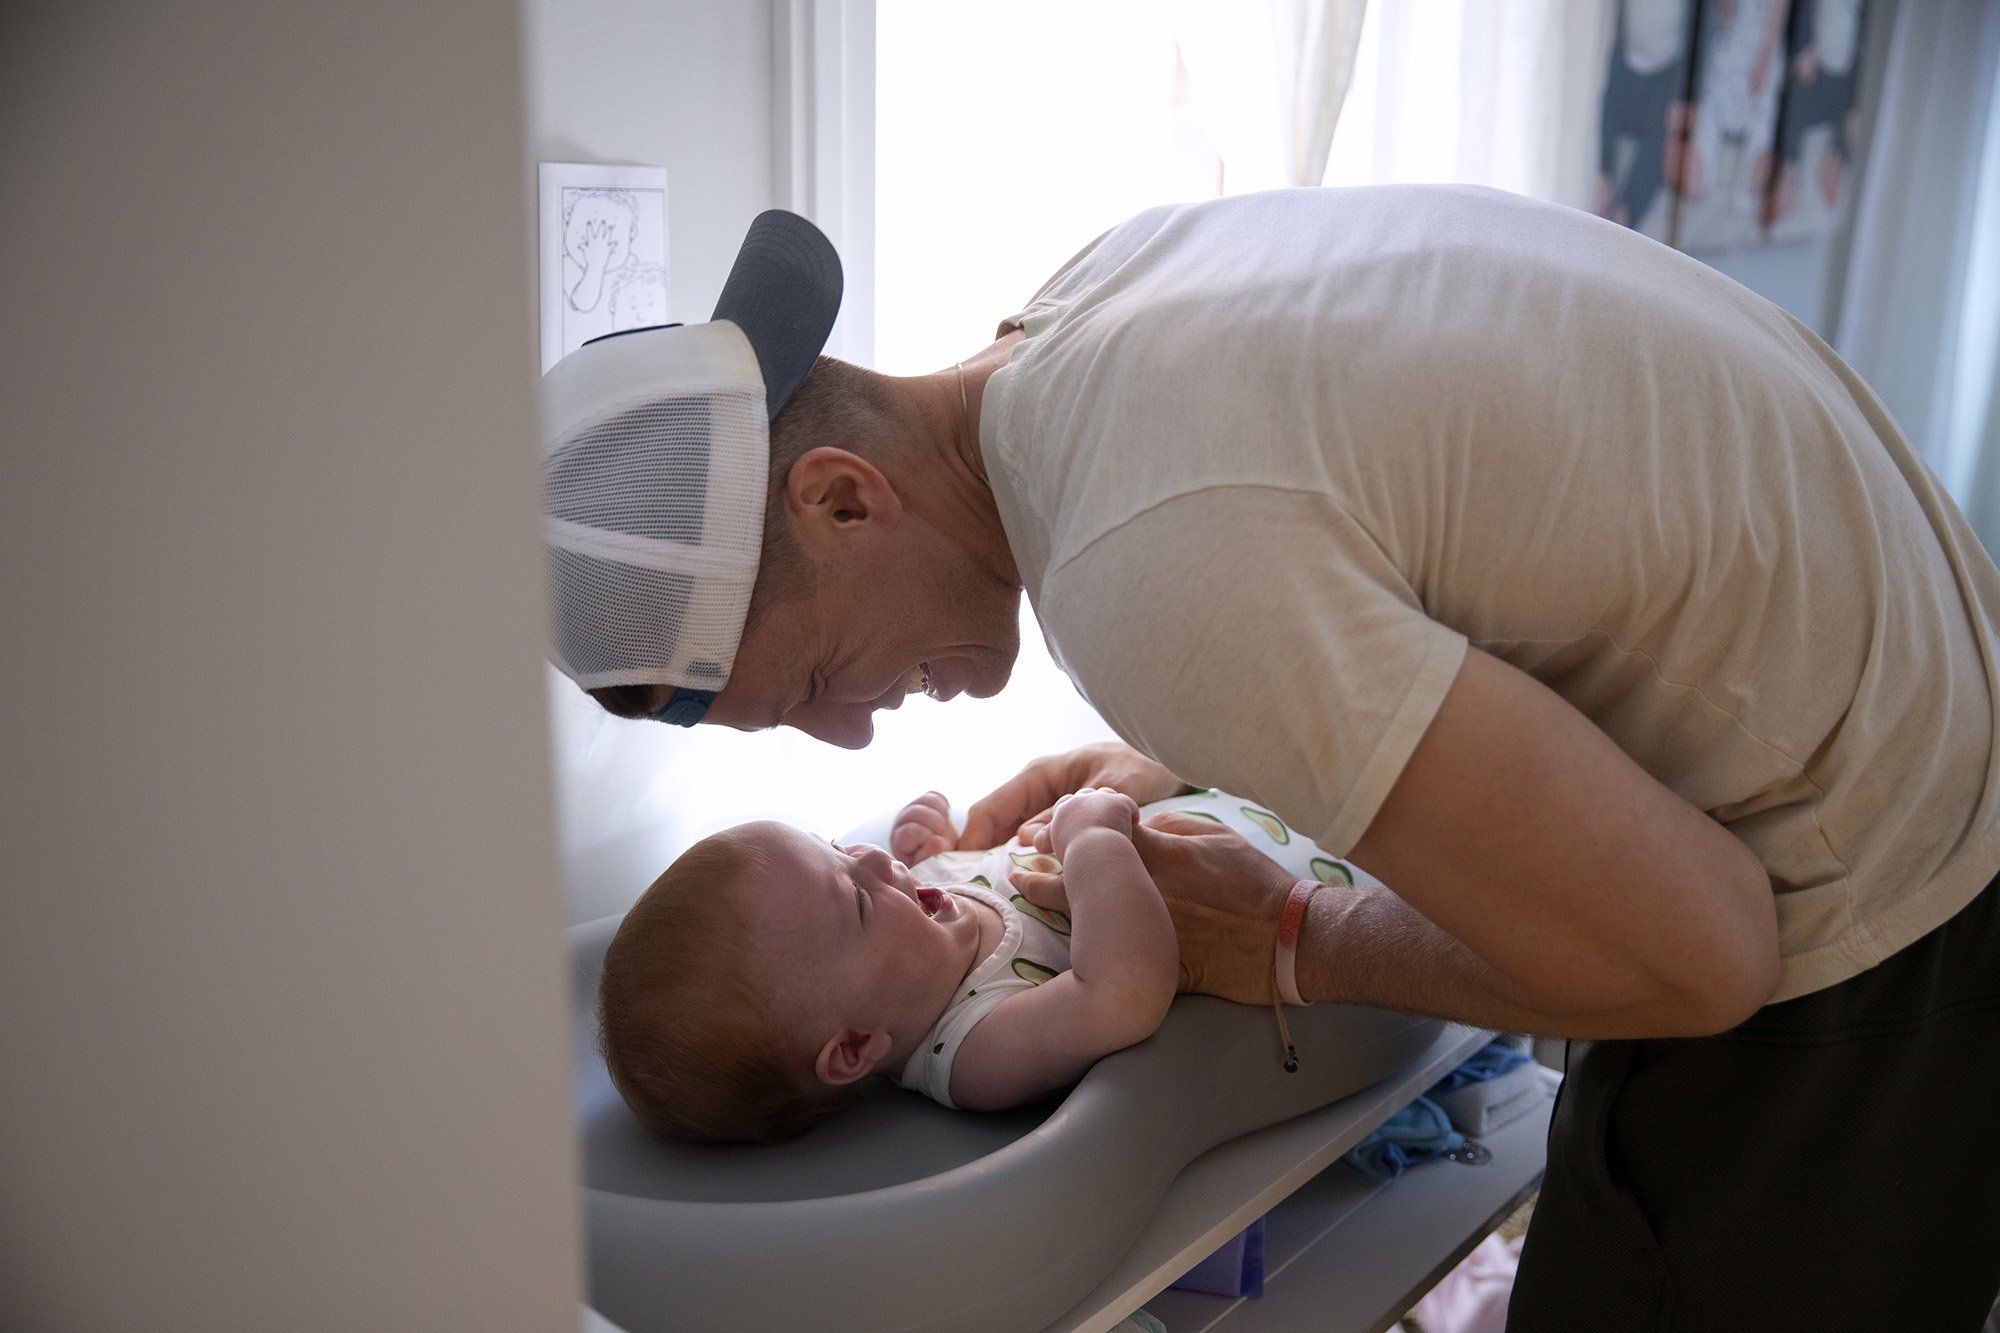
1973, 426
1268, 83
1923, 280
1338, 92
1480, 92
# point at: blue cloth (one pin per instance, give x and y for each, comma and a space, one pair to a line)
1489, 1061
1417, 1133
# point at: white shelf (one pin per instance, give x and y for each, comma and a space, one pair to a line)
1346, 1254
1227, 1188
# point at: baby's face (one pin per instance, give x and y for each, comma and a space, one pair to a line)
856, 940
640, 305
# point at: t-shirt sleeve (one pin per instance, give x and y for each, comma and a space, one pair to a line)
1260, 640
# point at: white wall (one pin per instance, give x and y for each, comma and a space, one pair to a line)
281, 986
1799, 276
684, 84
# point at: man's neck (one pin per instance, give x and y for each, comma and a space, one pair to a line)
946, 483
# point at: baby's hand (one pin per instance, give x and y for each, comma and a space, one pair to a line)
1093, 807
922, 829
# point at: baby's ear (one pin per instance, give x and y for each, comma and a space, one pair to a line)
851, 1055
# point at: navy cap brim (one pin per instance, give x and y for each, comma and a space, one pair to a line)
783, 292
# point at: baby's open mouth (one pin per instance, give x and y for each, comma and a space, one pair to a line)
934, 901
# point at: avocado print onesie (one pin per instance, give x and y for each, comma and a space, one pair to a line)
1034, 943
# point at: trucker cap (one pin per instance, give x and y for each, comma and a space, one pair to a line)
656, 457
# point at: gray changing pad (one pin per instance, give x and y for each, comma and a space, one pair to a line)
904, 1215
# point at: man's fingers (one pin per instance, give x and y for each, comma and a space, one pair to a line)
993, 819
997, 817
1177, 824
1041, 889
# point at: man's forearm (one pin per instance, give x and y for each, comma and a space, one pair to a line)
1368, 946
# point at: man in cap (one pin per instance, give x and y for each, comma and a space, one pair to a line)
1579, 594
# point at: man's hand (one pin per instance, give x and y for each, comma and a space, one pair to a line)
922, 829
1224, 895
1024, 802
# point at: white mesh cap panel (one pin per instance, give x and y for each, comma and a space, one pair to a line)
658, 451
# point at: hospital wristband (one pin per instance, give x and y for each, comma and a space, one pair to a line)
1284, 962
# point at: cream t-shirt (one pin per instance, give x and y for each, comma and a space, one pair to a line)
1267, 463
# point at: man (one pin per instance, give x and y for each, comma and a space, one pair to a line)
1576, 592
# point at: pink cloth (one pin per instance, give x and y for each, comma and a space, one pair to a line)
1472, 1298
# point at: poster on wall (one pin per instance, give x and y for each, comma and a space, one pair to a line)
1819, 121
1726, 168
1642, 127
603, 252
1728, 124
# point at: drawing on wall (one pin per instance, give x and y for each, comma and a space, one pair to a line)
1643, 124
1730, 123
603, 252
1819, 123
1726, 173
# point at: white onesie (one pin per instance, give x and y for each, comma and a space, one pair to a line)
1034, 945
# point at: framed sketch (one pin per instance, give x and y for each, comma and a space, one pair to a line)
603, 252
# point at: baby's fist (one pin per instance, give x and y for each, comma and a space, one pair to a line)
1093, 807
922, 829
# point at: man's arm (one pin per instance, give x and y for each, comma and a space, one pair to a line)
1547, 883
1544, 882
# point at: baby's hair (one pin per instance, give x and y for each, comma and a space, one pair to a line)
634, 273
692, 1044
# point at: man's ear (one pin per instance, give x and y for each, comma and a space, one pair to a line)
831, 494
850, 1055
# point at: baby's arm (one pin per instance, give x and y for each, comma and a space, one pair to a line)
1124, 966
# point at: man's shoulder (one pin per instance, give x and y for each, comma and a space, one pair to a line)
1196, 530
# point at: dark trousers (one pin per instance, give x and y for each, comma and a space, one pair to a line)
1833, 1163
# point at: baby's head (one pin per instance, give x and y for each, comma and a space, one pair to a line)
766, 973
638, 295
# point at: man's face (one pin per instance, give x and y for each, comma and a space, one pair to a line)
826, 663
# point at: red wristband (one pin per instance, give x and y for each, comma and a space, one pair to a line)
1285, 959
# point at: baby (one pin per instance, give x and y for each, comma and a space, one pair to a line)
766, 973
